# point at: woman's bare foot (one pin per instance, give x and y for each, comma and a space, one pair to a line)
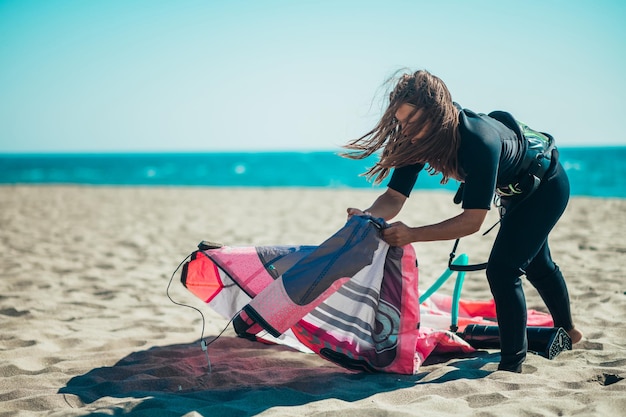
575, 334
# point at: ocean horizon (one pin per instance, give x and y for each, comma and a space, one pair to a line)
593, 171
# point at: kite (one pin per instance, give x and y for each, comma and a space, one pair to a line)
353, 300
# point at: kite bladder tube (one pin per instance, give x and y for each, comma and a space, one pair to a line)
463, 259
545, 341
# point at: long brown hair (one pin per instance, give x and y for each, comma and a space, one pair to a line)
437, 123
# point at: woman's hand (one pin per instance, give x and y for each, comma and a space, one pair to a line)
398, 234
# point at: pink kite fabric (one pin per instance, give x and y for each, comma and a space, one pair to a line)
353, 300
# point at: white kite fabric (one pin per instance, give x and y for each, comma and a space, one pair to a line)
353, 300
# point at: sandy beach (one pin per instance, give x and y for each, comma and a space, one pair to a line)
87, 328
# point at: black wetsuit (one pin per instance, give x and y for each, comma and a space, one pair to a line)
490, 155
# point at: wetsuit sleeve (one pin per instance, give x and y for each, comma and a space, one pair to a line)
481, 166
403, 178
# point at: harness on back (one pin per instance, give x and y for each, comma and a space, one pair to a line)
537, 159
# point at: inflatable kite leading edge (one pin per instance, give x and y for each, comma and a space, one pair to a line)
353, 299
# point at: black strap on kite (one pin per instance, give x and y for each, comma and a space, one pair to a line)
458, 198
463, 268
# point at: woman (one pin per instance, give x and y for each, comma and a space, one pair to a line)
422, 128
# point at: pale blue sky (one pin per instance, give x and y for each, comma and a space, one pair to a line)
190, 75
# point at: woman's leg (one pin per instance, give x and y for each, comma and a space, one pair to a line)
523, 233
547, 278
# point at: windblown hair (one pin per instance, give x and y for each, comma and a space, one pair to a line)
437, 125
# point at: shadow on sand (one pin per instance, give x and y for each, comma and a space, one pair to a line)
246, 378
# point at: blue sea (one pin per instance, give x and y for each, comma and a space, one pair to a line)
593, 171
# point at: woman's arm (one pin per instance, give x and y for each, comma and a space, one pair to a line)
466, 223
387, 205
